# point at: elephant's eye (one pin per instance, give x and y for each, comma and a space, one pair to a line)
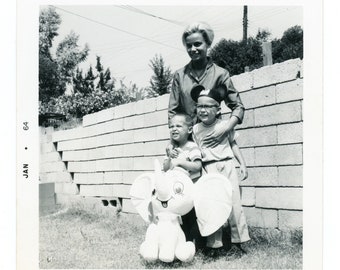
178, 188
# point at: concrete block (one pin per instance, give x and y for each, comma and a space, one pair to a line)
47, 148
113, 177
279, 155
257, 136
67, 188
277, 73
88, 178
145, 163
290, 219
50, 157
96, 190
69, 134
133, 122
258, 97
128, 207
264, 218
156, 118
97, 153
261, 176
248, 120
106, 127
289, 91
67, 199
145, 134
113, 151
57, 166
279, 198
163, 132
249, 156
89, 119
46, 190
290, 176
126, 136
290, 133
131, 150
64, 176
155, 148
81, 166
70, 145
121, 191
98, 117
130, 176
105, 115
146, 105
106, 164
243, 82
278, 114
125, 110
248, 196
162, 102
76, 155
103, 140
120, 164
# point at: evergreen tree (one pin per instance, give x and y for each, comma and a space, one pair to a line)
160, 82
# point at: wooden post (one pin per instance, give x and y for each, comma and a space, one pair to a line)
267, 53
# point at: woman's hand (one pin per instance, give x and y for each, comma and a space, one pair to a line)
244, 172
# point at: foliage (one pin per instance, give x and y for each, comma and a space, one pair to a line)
56, 71
290, 46
79, 104
68, 55
49, 21
236, 55
160, 82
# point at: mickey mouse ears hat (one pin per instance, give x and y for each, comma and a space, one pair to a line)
217, 93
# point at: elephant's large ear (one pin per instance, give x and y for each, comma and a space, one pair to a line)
213, 202
141, 193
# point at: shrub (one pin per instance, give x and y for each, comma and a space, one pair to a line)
77, 104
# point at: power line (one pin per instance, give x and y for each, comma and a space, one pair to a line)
140, 11
116, 28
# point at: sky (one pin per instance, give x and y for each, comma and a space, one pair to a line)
127, 37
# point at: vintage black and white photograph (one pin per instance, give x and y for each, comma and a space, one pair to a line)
167, 136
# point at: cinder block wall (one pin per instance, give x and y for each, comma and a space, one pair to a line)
103, 157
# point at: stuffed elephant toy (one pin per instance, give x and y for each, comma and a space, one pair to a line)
161, 198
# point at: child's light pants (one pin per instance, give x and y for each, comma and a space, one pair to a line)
237, 220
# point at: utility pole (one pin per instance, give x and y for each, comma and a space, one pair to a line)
245, 23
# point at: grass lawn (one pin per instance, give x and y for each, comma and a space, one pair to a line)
76, 238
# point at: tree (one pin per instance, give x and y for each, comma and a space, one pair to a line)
236, 55
290, 46
49, 78
160, 82
49, 21
68, 55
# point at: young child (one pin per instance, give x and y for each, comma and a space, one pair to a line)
184, 154
219, 159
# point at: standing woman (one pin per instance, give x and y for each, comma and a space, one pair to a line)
197, 39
